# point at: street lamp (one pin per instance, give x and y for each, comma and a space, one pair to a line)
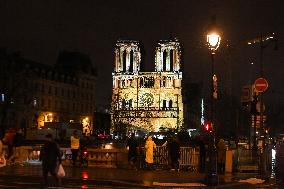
213, 42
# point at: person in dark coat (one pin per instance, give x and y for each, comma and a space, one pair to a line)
174, 153
9, 141
50, 157
132, 150
202, 154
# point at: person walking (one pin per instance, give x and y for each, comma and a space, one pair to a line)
202, 154
51, 158
9, 141
75, 145
149, 149
2, 156
174, 153
132, 150
221, 150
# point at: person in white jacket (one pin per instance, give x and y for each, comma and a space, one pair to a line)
149, 149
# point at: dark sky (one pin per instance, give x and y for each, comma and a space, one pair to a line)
40, 29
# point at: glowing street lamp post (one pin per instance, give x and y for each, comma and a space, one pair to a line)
213, 42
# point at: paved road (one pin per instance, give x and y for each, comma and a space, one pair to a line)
30, 177
30, 182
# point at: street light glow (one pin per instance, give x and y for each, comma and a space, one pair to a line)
213, 41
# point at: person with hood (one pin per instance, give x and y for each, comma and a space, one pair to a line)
221, 149
9, 141
132, 150
150, 146
174, 153
51, 158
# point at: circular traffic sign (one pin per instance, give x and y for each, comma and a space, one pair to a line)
260, 85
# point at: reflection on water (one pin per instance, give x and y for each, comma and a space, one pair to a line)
85, 175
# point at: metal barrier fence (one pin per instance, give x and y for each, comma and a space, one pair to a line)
189, 158
247, 160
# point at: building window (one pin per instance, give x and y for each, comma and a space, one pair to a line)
123, 83
170, 104
131, 61
130, 103
124, 61
164, 82
164, 103
141, 82
165, 54
3, 97
123, 104
34, 102
171, 59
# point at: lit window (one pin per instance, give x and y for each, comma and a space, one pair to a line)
34, 102
2, 97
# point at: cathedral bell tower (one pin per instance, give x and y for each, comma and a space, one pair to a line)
168, 55
127, 56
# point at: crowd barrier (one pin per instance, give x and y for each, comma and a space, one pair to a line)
189, 158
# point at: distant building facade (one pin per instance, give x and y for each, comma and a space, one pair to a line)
147, 100
36, 95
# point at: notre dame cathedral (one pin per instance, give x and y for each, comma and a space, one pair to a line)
147, 100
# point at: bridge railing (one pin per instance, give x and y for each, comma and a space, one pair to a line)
189, 157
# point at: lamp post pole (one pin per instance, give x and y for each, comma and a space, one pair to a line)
213, 42
264, 41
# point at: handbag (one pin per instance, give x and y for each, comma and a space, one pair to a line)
60, 171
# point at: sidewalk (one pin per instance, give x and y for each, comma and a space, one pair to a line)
127, 177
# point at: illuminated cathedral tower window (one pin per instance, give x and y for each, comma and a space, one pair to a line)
147, 100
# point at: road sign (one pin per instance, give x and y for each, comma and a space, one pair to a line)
260, 85
247, 93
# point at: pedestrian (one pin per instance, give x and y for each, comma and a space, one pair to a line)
51, 158
202, 154
2, 156
75, 146
132, 150
150, 146
174, 153
1, 147
9, 141
221, 150
18, 142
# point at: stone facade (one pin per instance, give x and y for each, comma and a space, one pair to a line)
35, 95
147, 100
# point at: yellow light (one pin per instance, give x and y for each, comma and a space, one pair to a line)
213, 41
50, 114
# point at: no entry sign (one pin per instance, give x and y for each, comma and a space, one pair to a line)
260, 85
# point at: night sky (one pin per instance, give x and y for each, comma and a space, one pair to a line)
40, 29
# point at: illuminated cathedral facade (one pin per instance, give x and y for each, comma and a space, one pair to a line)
147, 100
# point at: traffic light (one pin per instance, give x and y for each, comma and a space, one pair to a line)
208, 126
